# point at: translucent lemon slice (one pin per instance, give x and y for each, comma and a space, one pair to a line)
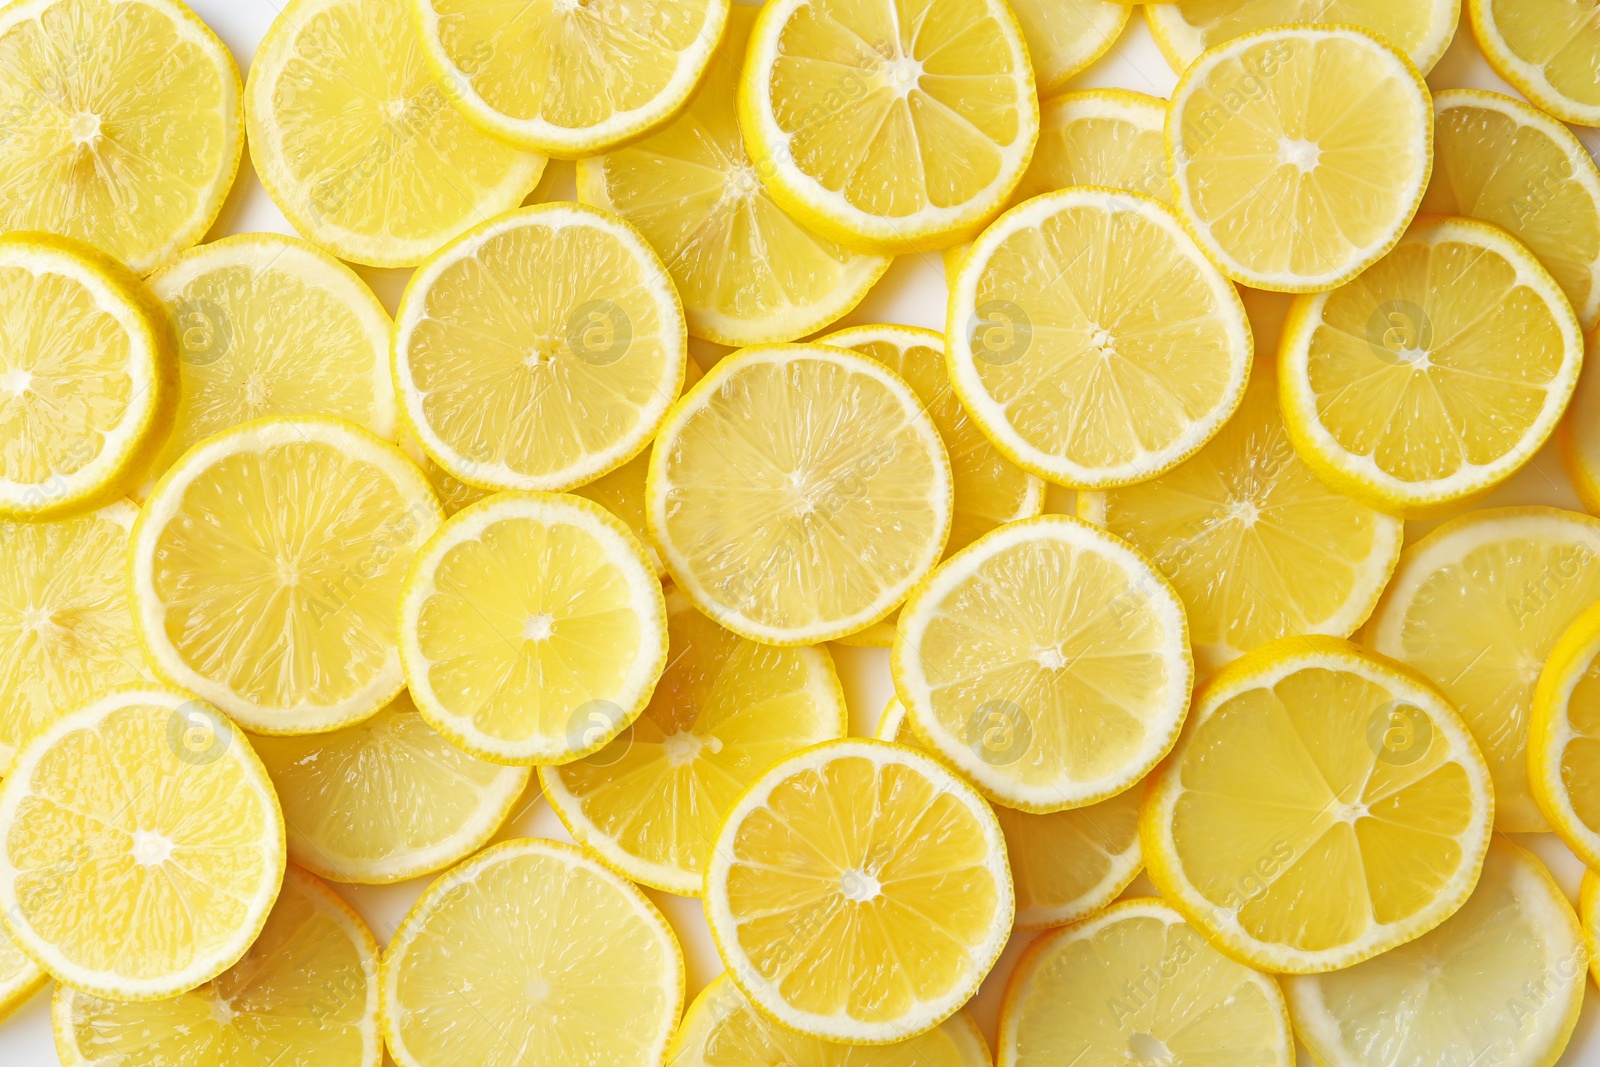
453, 493
1422, 29
1578, 436
1564, 741
540, 350
845, 855
1324, 805
20, 977
305, 995
1547, 49
1065, 36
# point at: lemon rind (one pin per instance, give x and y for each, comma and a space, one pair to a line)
1526, 78
1551, 732
1576, 437
17, 992
1065, 67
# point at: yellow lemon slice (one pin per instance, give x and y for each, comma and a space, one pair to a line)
357, 145
845, 855
1257, 546
1048, 661
88, 378
1547, 49
305, 995
1064, 864
1324, 805
453, 493
1136, 984
1501, 981
1499, 160
798, 492
539, 350
1578, 436
386, 799
723, 1029
1286, 195
1477, 606
747, 272
1059, 353
143, 846
621, 492
20, 977
569, 80
566, 963
100, 148
1589, 915
1564, 738
884, 125
725, 709
1402, 390
1065, 36
270, 325
266, 569
1422, 29
532, 628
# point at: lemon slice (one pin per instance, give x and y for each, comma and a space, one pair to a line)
621, 492
1434, 375
358, 146
566, 963
723, 1029
1564, 738
747, 272
88, 378
1064, 865
798, 492
1048, 661
1478, 605
1422, 29
453, 493
1136, 984
305, 995
66, 632
539, 350
885, 125
1285, 195
386, 799
1578, 436
266, 568
1589, 915
1499, 160
1324, 805
143, 847
1546, 49
1501, 981
1065, 36
1256, 545
725, 709
20, 977
99, 148
532, 628
845, 855
569, 80
1059, 354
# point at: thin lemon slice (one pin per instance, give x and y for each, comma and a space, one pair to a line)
539, 350
143, 846
357, 145
103, 145
271, 325
1477, 606
1065, 36
1578, 436
453, 493
1564, 738
1064, 865
621, 492
747, 272
1589, 915
723, 1029
1299, 154
1087, 367
305, 995
1324, 805
798, 492
88, 377
386, 799
725, 709
20, 977
1547, 49
532, 628
66, 632
266, 569
1435, 374
1048, 661
1136, 984
565, 962
1499, 160
846, 855
569, 80
1257, 546
1422, 29
1501, 981
885, 125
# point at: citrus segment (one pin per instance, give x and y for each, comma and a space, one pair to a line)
20, 977
1065, 36
1548, 49
1422, 29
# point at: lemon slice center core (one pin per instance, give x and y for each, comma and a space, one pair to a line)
685, 747
902, 75
860, 887
85, 129
16, 381
1146, 1050
150, 849
539, 626
1300, 153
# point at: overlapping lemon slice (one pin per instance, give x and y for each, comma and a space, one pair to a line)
1065, 36
1564, 738
20, 977
1578, 436
1547, 49
1324, 805
1422, 29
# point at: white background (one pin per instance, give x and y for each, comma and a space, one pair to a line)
912, 292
